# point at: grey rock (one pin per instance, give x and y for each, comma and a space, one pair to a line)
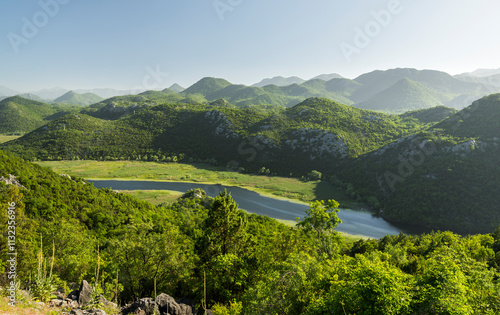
168, 305
144, 306
84, 293
73, 295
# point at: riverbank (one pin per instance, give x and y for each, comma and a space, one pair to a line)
281, 187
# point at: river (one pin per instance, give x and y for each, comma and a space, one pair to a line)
353, 222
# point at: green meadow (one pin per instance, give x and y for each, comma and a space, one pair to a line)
283, 187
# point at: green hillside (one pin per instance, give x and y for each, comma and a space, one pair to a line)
206, 86
445, 177
404, 95
20, 115
216, 256
78, 99
431, 115
317, 131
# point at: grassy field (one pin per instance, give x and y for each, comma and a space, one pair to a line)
291, 188
155, 197
4, 138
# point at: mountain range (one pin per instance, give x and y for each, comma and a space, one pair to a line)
393, 91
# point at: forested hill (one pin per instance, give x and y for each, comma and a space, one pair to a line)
21, 115
445, 177
314, 133
219, 257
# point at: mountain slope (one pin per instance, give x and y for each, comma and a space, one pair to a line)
18, 114
327, 77
431, 115
78, 99
440, 82
403, 96
317, 130
5, 91
176, 88
279, 81
444, 178
206, 86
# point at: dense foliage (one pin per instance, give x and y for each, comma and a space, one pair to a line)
21, 115
246, 264
445, 177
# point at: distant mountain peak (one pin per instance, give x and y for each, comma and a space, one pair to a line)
176, 88
280, 81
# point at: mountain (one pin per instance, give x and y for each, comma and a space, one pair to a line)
447, 89
72, 97
317, 132
431, 115
20, 115
50, 94
32, 97
5, 91
403, 96
279, 81
328, 77
480, 73
444, 178
104, 92
176, 88
206, 86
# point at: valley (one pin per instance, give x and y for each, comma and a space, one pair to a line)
205, 183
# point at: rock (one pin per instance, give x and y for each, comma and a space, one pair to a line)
144, 306
12, 180
85, 293
165, 303
57, 303
107, 303
73, 295
168, 305
76, 312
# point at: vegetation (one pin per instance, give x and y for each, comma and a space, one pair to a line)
285, 187
78, 99
251, 264
20, 115
445, 177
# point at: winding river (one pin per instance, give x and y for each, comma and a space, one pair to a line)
353, 222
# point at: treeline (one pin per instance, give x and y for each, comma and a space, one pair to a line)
208, 250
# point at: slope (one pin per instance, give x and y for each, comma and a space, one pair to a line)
443, 178
78, 99
20, 115
404, 95
315, 133
440, 82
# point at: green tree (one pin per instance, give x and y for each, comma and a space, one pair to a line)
224, 227
321, 220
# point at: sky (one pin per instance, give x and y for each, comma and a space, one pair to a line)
151, 44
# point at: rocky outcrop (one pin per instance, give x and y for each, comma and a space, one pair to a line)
12, 180
223, 126
164, 303
318, 143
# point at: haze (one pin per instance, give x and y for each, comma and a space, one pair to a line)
117, 43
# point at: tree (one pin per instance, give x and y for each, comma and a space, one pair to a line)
322, 220
314, 175
224, 226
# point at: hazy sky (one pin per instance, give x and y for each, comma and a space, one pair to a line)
155, 43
